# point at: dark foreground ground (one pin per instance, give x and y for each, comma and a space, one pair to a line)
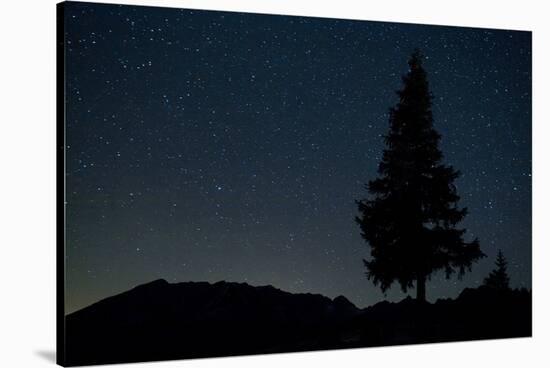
159, 321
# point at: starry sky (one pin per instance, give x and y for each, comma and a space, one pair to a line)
207, 146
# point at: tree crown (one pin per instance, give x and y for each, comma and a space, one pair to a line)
410, 218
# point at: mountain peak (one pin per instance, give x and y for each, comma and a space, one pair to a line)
342, 301
159, 282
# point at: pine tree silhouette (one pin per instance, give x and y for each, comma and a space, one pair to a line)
410, 218
498, 278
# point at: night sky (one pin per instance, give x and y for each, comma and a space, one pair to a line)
207, 146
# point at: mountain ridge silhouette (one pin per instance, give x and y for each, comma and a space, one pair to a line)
161, 320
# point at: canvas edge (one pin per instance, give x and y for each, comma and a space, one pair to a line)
60, 184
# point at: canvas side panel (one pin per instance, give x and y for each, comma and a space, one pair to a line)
60, 183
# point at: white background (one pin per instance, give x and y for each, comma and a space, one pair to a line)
27, 184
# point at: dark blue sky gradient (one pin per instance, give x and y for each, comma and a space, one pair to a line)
230, 146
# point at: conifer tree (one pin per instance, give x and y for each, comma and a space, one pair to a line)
498, 278
410, 218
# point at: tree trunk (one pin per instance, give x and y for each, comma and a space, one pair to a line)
421, 288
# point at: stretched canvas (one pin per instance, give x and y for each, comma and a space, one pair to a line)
233, 183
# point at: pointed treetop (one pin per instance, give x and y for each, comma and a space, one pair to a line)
416, 59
